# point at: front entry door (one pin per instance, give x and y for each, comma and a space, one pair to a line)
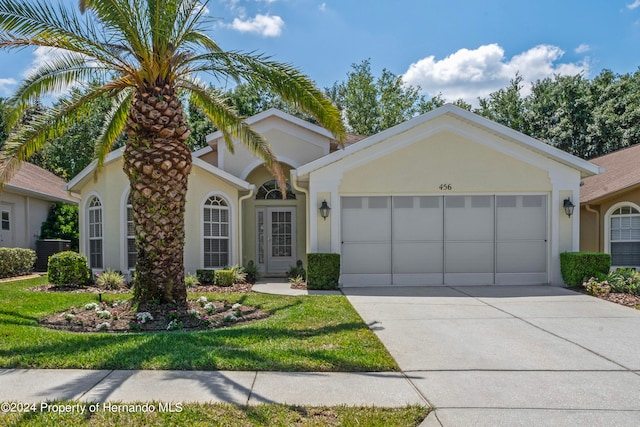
276, 239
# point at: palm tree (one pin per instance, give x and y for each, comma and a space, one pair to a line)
145, 54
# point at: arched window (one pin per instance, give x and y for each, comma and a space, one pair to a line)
94, 215
130, 237
216, 232
624, 236
270, 191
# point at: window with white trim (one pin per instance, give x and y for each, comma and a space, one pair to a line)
5, 221
216, 230
132, 254
625, 237
270, 190
94, 215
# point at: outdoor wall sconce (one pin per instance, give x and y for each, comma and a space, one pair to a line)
568, 207
324, 210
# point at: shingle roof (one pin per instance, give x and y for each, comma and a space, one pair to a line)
34, 180
621, 171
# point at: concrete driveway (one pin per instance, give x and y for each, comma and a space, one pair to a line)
511, 355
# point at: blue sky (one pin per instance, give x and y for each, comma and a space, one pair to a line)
460, 48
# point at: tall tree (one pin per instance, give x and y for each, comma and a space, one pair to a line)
372, 104
143, 52
505, 106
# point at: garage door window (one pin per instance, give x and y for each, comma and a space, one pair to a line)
625, 237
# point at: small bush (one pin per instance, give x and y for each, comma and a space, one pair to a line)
206, 277
596, 287
297, 271
252, 271
16, 261
623, 280
69, 268
191, 280
223, 277
61, 223
239, 275
578, 267
110, 279
323, 271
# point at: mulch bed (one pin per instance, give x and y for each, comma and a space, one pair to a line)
123, 315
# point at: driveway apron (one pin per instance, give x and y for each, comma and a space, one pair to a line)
511, 355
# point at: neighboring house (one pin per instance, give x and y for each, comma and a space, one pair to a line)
610, 208
25, 203
448, 197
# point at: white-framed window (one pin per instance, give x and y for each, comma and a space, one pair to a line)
624, 236
5, 220
271, 191
216, 232
94, 216
130, 237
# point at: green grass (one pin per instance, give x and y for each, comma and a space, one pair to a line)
231, 415
319, 333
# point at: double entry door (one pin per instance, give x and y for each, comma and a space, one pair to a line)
275, 238
458, 239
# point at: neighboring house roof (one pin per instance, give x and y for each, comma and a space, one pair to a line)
586, 169
621, 173
87, 173
34, 181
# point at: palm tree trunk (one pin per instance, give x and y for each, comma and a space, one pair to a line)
157, 162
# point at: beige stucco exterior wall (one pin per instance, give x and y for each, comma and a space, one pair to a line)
294, 149
592, 226
27, 215
445, 158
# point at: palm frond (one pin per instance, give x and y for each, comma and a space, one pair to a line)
115, 122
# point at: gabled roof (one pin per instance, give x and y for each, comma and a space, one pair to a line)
274, 112
87, 173
622, 172
585, 168
34, 181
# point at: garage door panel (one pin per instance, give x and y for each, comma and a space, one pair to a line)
368, 257
469, 257
522, 257
366, 219
417, 218
468, 218
521, 217
417, 257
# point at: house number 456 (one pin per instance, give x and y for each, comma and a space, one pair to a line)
446, 187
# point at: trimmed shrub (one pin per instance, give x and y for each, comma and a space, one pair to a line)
223, 277
206, 277
69, 268
578, 267
16, 261
323, 271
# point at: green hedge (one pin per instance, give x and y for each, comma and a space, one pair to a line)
323, 271
16, 261
224, 277
69, 268
206, 277
576, 267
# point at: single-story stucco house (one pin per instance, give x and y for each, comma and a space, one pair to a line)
25, 203
447, 197
610, 208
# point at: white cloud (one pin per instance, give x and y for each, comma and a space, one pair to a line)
634, 5
41, 56
583, 47
469, 74
6, 85
265, 25
323, 7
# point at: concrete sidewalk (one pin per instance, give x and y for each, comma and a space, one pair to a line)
388, 389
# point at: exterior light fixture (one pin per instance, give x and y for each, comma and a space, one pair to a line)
568, 207
324, 210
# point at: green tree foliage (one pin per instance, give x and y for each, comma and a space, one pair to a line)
371, 104
3, 121
61, 223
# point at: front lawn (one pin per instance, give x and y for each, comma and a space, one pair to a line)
222, 414
319, 333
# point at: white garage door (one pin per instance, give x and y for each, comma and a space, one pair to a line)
431, 240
